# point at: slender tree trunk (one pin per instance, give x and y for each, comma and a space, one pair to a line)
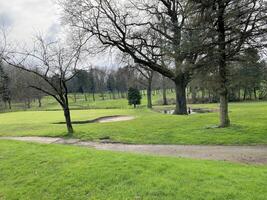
245, 94
39, 102
149, 93
194, 94
9, 104
85, 97
68, 120
255, 93
75, 98
93, 96
180, 89
164, 92
28, 103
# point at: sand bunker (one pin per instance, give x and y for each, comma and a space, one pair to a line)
106, 119
114, 119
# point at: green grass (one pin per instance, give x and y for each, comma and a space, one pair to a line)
248, 125
33, 171
48, 103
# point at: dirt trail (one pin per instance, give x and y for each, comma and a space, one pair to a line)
240, 154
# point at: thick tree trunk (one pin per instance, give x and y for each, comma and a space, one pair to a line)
224, 118
164, 92
68, 121
180, 89
149, 93
223, 92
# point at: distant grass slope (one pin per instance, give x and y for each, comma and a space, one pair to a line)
48, 103
248, 125
32, 171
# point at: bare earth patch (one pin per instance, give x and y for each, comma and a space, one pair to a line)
240, 154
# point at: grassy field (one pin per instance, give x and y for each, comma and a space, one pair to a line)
48, 103
248, 125
32, 171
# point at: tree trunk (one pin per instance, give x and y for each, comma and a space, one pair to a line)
75, 98
255, 93
164, 92
9, 104
223, 92
149, 93
68, 121
93, 96
39, 102
85, 97
194, 95
180, 89
245, 94
28, 103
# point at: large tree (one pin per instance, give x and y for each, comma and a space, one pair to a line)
148, 31
233, 25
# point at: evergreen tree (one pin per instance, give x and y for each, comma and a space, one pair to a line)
134, 97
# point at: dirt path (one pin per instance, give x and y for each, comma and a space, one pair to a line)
240, 154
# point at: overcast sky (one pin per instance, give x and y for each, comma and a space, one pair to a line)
24, 18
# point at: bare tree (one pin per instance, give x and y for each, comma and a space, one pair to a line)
146, 30
55, 64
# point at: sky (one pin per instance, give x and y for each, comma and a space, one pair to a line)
25, 18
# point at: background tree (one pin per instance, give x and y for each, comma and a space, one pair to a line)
54, 64
138, 27
134, 96
232, 25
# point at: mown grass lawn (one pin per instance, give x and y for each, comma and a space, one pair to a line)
248, 125
34, 171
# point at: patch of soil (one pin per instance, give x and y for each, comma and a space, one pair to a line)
239, 154
106, 119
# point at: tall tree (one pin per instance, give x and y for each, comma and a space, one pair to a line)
233, 25
138, 27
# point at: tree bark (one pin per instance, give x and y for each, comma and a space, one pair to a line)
75, 98
39, 102
164, 92
68, 121
194, 94
255, 93
149, 93
223, 92
9, 104
180, 89
93, 96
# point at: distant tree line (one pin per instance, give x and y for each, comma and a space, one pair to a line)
248, 81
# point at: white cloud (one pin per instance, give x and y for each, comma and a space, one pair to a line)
27, 17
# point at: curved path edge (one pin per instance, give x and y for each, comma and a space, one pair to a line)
240, 154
